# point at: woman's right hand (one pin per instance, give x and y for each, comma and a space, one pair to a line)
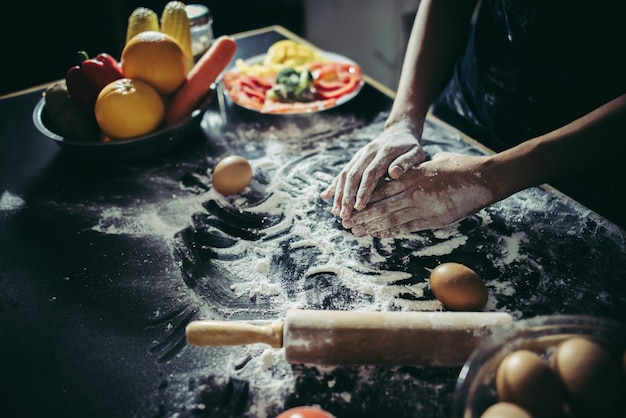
392, 153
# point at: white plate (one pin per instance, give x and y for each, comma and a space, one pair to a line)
330, 56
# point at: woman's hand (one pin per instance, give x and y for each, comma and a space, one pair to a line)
392, 153
432, 195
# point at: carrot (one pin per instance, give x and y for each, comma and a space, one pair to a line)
199, 79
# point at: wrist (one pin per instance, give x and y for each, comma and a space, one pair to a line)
405, 124
516, 168
496, 177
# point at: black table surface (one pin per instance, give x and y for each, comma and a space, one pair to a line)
102, 264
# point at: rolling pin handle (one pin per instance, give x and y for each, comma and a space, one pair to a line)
206, 333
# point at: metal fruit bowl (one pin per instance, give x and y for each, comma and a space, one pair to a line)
138, 148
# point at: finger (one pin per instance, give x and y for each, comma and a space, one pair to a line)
405, 162
337, 185
340, 179
372, 178
396, 223
379, 215
352, 181
351, 184
330, 190
386, 189
340, 182
441, 156
416, 225
376, 223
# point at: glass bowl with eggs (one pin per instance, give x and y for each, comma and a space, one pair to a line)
559, 366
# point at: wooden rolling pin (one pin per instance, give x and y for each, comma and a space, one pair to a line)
357, 338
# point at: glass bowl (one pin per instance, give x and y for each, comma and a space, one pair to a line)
476, 389
138, 148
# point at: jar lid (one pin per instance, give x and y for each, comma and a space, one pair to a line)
198, 14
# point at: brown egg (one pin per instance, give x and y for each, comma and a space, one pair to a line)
505, 410
591, 377
525, 379
231, 175
458, 287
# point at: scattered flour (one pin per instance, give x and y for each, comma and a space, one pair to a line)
10, 202
512, 246
161, 219
293, 194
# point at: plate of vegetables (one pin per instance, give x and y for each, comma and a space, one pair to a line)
293, 78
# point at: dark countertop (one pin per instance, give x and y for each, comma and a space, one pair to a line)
102, 265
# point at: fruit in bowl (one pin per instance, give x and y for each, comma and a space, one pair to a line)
153, 89
128, 107
66, 117
155, 58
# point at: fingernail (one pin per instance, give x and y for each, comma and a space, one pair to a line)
395, 172
347, 223
358, 230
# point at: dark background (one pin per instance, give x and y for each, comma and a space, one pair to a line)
48, 34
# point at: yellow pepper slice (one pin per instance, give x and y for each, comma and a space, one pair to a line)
281, 54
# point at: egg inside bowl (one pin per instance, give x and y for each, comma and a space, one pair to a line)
153, 144
531, 359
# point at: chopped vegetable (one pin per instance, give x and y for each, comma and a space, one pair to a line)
334, 79
247, 90
292, 78
292, 86
280, 55
291, 54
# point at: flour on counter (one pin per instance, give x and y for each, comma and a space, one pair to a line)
358, 263
10, 202
161, 219
297, 239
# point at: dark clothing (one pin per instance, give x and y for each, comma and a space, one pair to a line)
531, 66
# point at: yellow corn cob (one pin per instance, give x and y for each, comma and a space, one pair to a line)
140, 20
175, 22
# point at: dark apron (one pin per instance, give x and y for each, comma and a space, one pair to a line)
532, 66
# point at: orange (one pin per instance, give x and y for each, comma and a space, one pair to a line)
156, 58
126, 108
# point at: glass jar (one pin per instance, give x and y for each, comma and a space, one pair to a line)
201, 25
475, 389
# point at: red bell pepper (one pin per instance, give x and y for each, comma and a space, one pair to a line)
85, 80
334, 79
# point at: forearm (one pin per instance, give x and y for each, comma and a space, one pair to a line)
439, 31
598, 138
